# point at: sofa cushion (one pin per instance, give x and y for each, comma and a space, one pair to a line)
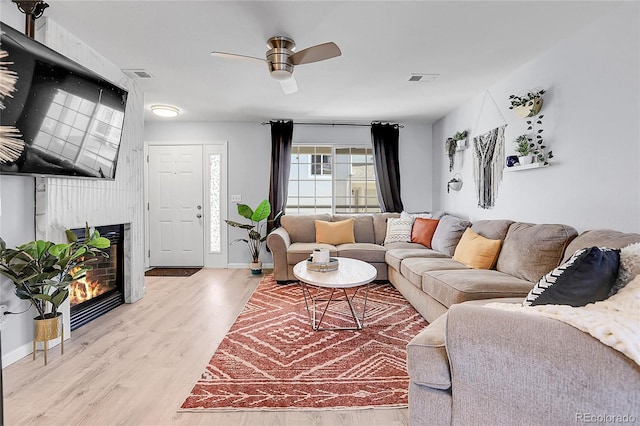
427, 360
529, 251
457, 286
362, 226
367, 252
423, 230
335, 232
380, 225
448, 233
398, 230
393, 257
493, 229
403, 245
413, 268
600, 238
302, 229
298, 252
586, 277
476, 251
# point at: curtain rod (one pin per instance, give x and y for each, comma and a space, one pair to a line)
264, 123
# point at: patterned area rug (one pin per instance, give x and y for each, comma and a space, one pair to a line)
271, 359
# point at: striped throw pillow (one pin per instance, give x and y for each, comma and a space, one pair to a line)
398, 230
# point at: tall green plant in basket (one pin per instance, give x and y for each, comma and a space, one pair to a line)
255, 238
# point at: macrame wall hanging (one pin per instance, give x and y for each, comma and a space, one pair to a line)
488, 161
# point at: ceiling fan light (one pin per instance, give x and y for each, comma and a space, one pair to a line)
280, 75
166, 111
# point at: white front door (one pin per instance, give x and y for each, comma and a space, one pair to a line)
176, 217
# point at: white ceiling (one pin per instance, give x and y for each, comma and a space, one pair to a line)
470, 44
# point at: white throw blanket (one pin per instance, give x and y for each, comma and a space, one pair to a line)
614, 321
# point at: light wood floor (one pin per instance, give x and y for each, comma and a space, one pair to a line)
137, 364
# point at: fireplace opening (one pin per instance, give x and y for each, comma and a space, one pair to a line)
102, 289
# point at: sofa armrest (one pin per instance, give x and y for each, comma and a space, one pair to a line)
515, 368
278, 242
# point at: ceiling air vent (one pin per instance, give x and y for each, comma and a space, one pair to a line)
423, 78
137, 73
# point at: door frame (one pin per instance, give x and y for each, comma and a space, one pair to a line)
211, 260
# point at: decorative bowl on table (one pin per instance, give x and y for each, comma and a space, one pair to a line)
332, 265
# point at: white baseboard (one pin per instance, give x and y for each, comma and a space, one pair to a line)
246, 265
26, 350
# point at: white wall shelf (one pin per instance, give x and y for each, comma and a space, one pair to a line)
525, 167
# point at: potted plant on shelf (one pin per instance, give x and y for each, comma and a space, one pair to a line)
42, 271
461, 139
255, 238
528, 104
527, 150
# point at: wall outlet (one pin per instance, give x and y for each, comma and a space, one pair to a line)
236, 198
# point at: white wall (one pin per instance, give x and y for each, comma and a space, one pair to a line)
249, 155
591, 122
64, 203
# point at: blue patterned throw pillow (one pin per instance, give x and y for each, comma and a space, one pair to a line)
586, 277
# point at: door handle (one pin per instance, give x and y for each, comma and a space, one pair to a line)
198, 215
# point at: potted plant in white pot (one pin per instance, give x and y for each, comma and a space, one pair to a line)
523, 149
461, 139
528, 151
255, 238
42, 271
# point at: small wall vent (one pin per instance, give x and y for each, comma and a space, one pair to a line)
423, 78
137, 73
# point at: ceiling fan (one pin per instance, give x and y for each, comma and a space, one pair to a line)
281, 59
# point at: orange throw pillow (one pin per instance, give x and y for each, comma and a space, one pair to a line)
423, 230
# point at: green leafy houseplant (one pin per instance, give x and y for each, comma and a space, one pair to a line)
258, 218
528, 104
42, 271
523, 146
526, 99
460, 135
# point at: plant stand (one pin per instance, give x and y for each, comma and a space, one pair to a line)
45, 330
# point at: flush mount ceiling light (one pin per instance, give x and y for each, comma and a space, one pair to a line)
165, 110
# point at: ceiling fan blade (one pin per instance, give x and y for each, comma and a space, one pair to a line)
316, 53
289, 85
235, 56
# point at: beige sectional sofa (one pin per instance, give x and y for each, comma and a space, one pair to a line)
432, 283
476, 365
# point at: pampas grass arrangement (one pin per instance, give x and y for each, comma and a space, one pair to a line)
11, 144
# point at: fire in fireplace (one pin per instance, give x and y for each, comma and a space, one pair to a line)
101, 290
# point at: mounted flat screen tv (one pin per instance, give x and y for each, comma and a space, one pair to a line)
69, 117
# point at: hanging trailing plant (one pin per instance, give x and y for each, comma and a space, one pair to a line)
533, 143
450, 150
527, 105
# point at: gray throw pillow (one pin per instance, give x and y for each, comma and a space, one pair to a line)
448, 233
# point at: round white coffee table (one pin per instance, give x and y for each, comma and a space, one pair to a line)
351, 273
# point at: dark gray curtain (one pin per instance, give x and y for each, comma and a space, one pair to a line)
384, 138
281, 139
